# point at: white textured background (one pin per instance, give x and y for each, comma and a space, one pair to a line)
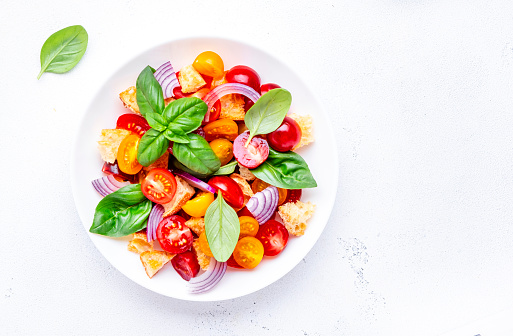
421, 98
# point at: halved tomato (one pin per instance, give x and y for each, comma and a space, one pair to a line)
186, 264
159, 186
222, 128
293, 195
248, 252
133, 123
232, 193
274, 237
173, 235
127, 155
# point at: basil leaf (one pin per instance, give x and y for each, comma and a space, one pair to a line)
179, 136
156, 121
149, 92
285, 170
121, 213
222, 228
197, 155
153, 145
268, 112
185, 113
63, 50
180, 166
227, 169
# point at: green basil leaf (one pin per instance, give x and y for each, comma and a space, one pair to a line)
149, 92
222, 228
121, 213
268, 112
180, 166
185, 113
227, 169
156, 121
197, 155
63, 50
285, 170
153, 145
179, 136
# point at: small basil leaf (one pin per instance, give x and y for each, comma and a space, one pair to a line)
268, 112
285, 170
185, 113
121, 213
222, 228
178, 136
153, 145
197, 155
63, 50
149, 93
227, 169
180, 166
156, 121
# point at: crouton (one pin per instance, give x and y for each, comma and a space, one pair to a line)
305, 123
190, 79
232, 107
139, 243
243, 184
201, 93
129, 99
110, 140
246, 173
220, 81
295, 215
203, 259
184, 192
153, 261
196, 224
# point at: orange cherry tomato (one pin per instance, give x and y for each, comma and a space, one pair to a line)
197, 207
223, 149
209, 63
259, 185
248, 252
127, 155
248, 226
159, 186
203, 244
222, 128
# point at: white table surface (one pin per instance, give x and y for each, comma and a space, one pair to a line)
421, 238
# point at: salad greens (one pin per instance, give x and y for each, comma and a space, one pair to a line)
227, 169
197, 155
149, 92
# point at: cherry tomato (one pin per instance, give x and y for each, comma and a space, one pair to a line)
133, 123
222, 128
223, 149
186, 264
173, 235
159, 186
293, 195
215, 112
268, 87
231, 191
254, 154
274, 237
244, 75
286, 137
113, 169
203, 244
232, 263
127, 155
208, 80
259, 185
177, 93
210, 64
248, 252
197, 207
248, 226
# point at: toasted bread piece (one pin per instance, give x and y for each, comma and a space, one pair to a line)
305, 122
190, 79
244, 185
139, 243
220, 81
232, 107
295, 215
110, 140
203, 259
153, 261
246, 173
184, 192
196, 224
201, 93
129, 99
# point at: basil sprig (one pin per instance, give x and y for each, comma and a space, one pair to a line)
267, 114
121, 213
197, 155
222, 228
286, 170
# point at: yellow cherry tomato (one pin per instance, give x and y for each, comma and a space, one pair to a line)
210, 64
222, 128
248, 226
223, 149
203, 244
248, 252
127, 155
197, 207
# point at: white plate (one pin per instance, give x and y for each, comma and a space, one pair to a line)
106, 107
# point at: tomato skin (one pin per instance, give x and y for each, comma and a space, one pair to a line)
248, 252
210, 64
173, 235
244, 75
197, 207
222, 128
159, 186
231, 191
186, 264
274, 237
215, 112
127, 155
268, 87
248, 226
223, 149
293, 195
133, 123
285, 137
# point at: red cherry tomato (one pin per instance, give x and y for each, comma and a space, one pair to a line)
268, 87
159, 186
244, 75
173, 235
231, 191
254, 154
177, 93
286, 137
186, 264
215, 112
293, 195
133, 123
232, 263
274, 236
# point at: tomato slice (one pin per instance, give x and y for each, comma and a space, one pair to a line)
252, 155
248, 252
293, 195
231, 191
159, 186
127, 155
274, 237
133, 123
222, 128
186, 264
173, 235
248, 226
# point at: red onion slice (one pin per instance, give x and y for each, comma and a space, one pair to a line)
263, 204
166, 77
195, 182
225, 89
107, 185
153, 221
209, 279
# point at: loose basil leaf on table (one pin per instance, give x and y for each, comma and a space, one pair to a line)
186, 113
197, 155
152, 146
227, 169
286, 170
150, 98
121, 213
222, 228
267, 114
63, 50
